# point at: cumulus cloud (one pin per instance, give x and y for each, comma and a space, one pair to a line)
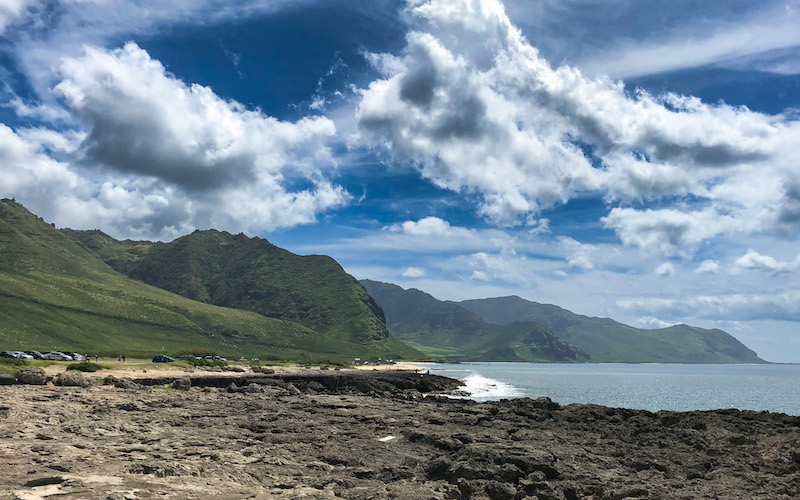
505, 266
753, 260
708, 266
413, 272
180, 157
665, 269
580, 255
474, 107
651, 322
429, 226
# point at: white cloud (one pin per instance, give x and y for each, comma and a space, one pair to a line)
430, 226
753, 260
29, 174
505, 266
580, 255
180, 157
708, 266
413, 272
474, 107
651, 322
12, 11
665, 269
479, 275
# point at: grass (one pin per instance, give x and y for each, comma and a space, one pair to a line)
436, 351
56, 295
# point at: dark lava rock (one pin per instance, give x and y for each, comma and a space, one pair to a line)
500, 491
6, 379
44, 481
32, 376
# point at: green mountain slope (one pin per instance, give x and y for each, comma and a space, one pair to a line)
606, 340
252, 274
54, 294
447, 329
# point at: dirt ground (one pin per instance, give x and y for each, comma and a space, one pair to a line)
362, 435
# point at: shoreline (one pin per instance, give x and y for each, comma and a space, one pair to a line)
371, 434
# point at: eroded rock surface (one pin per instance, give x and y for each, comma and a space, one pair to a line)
330, 441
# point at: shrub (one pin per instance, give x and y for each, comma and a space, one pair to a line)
84, 366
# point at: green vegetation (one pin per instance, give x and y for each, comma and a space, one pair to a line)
10, 366
251, 274
606, 340
444, 329
57, 295
86, 366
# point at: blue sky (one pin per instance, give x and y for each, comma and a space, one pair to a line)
628, 158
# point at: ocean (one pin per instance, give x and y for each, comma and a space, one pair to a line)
653, 387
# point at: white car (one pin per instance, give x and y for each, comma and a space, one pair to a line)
57, 356
22, 355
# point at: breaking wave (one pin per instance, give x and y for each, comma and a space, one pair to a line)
481, 388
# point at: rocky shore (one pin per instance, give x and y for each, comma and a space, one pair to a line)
373, 435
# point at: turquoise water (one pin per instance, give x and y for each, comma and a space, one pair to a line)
653, 387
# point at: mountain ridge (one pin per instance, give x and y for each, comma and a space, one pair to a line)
598, 339
55, 294
447, 329
607, 340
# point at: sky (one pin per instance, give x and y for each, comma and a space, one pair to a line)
632, 159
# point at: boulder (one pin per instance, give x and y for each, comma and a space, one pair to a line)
182, 384
72, 379
32, 376
6, 379
121, 383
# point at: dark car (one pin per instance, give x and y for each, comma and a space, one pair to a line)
163, 359
35, 354
8, 354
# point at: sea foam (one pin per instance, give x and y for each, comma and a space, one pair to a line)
481, 388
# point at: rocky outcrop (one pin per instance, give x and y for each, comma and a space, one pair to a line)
264, 440
72, 379
32, 376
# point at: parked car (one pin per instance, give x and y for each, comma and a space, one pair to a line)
22, 355
57, 356
255, 360
8, 354
163, 359
35, 354
76, 356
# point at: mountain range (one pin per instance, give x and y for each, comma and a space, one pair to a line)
483, 329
